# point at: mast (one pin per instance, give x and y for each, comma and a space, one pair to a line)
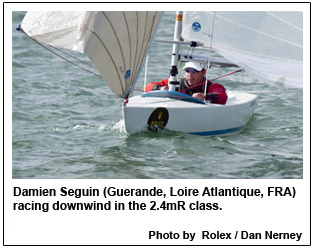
173, 79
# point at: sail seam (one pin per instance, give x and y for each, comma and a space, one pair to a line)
284, 21
129, 39
222, 47
120, 48
136, 44
109, 54
265, 34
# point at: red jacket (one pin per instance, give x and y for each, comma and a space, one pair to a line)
215, 92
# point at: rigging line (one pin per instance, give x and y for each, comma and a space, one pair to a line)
225, 75
92, 66
50, 50
180, 68
151, 33
137, 89
209, 57
145, 76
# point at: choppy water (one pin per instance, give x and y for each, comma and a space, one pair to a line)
68, 124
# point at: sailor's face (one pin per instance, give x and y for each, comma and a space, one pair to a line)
194, 77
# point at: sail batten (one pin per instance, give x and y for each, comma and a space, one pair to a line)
116, 42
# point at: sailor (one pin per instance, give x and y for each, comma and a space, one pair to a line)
194, 84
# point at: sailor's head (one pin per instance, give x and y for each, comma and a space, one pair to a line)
194, 72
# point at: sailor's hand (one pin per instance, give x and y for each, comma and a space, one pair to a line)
166, 87
200, 96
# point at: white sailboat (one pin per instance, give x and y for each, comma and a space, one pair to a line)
117, 43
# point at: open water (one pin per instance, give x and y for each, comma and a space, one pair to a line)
68, 124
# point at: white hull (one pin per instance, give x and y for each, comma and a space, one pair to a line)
189, 117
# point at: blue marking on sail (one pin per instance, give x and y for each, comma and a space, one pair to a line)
196, 26
127, 74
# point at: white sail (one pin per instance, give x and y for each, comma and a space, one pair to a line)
269, 44
116, 42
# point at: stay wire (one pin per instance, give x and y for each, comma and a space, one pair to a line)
69, 55
225, 75
209, 58
60, 56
